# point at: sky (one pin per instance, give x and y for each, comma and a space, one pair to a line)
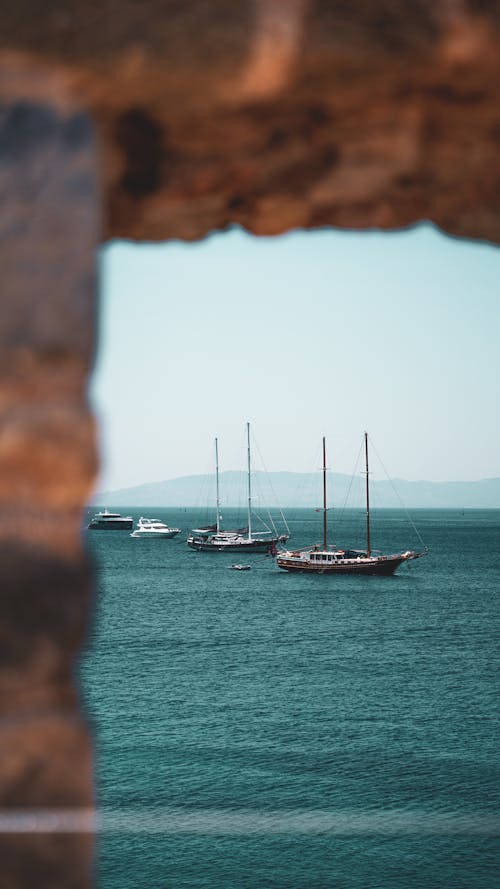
307, 334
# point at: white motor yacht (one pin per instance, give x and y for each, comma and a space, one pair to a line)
153, 528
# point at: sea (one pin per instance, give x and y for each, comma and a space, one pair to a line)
265, 730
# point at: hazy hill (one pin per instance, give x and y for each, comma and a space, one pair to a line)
304, 489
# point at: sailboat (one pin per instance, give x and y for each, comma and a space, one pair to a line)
329, 559
213, 539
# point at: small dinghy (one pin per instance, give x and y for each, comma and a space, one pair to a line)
240, 567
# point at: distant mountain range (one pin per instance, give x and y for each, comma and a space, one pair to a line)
296, 489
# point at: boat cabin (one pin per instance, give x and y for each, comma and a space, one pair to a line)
319, 556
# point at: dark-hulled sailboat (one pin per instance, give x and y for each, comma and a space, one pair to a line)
328, 559
213, 539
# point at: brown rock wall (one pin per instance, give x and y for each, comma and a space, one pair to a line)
281, 113
49, 226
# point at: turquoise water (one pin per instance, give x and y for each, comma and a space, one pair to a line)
332, 733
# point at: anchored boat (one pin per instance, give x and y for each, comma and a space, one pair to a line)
329, 559
154, 529
110, 521
214, 539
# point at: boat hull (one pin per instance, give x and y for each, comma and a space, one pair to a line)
384, 566
155, 535
252, 546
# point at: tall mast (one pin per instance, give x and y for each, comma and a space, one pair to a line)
217, 495
324, 493
368, 544
249, 485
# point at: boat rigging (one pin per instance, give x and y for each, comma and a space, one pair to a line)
329, 559
214, 539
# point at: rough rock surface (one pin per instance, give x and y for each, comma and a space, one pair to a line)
49, 227
281, 113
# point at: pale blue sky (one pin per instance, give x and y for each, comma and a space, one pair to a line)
307, 334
